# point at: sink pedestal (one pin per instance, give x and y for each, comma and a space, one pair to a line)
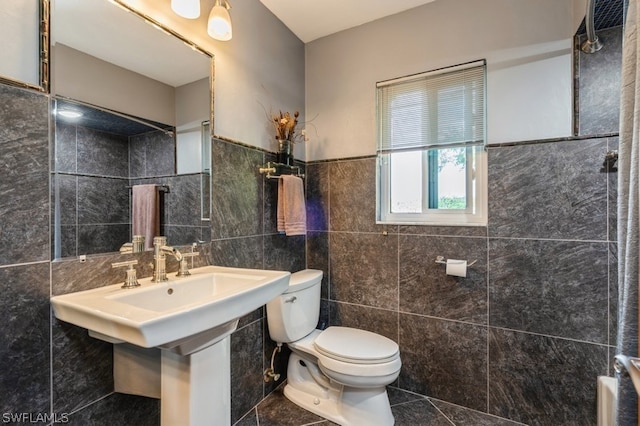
192, 377
196, 388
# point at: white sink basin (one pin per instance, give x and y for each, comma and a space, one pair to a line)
182, 314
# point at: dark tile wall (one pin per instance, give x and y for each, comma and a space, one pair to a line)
244, 235
598, 85
90, 184
24, 259
94, 171
508, 338
152, 154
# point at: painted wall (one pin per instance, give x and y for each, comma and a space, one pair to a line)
527, 46
76, 76
258, 71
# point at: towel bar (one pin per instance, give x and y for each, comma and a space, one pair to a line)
275, 170
161, 188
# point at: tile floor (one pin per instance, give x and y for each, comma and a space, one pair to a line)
409, 409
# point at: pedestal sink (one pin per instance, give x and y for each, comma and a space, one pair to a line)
189, 319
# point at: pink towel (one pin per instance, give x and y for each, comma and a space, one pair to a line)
145, 215
292, 214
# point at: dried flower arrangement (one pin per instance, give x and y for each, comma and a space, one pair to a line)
285, 126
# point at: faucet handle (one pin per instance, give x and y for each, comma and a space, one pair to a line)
183, 271
131, 281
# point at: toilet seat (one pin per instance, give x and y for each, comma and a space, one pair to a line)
355, 346
350, 352
353, 352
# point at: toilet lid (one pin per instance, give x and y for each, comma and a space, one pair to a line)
356, 346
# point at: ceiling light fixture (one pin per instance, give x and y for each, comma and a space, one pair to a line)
219, 25
189, 9
69, 113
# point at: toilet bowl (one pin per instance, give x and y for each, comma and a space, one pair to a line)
339, 373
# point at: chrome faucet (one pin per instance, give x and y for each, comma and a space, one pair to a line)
160, 250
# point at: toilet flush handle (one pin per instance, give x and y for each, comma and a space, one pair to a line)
291, 299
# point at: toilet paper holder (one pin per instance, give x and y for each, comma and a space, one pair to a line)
442, 260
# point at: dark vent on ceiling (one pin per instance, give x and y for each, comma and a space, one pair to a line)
608, 14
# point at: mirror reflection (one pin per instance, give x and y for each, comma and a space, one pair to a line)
131, 110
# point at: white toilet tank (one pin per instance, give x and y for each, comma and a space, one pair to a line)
295, 313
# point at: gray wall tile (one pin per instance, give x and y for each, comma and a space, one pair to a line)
97, 238
101, 153
426, 289
182, 202
444, 359
364, 269
552, 190
24, 187
237, 189
103, 200
318, 257
152, 154
82, 367
284, 253
558, 288
24, 339
543, 380
352, 186
66, 156
246, 373
245, 252
317, 196
599, 85
68, 196
381, 321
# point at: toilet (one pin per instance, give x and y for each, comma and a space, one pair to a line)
339, 373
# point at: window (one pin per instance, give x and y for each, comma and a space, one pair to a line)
431, 159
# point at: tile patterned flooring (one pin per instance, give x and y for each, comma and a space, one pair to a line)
409, 409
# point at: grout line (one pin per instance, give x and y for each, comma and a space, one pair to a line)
489, 327
488, 277
12, 265
439, 411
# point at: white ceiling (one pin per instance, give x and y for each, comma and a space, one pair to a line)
312, 19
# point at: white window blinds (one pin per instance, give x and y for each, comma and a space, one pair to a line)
442, 108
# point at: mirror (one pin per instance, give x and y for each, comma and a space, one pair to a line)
145, 102
24, 62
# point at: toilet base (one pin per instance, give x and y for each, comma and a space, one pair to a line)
343, 405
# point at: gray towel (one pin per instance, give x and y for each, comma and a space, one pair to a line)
145, 218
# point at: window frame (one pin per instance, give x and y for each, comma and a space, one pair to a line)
476, 166
439, 217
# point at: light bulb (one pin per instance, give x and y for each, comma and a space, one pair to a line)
189, 9
219, 26
69, 113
